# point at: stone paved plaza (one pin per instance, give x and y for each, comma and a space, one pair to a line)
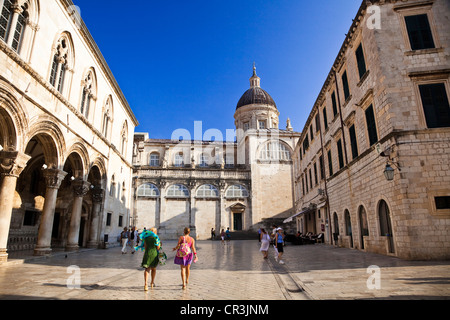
235, 271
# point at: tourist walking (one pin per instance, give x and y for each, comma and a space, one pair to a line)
124, 236
150, 261
279, 239
265, 242
222, 236
213, 234
228, 234
186, 253
133, 239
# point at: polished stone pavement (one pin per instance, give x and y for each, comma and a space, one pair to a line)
234, 271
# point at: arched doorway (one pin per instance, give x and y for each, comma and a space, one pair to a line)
336, 228
386, 225
348, 226
363, 225
39, 185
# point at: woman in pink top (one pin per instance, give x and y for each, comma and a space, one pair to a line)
185, 262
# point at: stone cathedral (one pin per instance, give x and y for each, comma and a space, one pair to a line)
241, 185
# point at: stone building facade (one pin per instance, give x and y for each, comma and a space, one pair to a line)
66, 133
383, 109
202, 183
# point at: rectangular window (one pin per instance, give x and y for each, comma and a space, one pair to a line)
442, 202
303, 186
305, 144
120, 221
419, 32
306, 181
325, 120
311, 132
317, 122
322, 168
108, 219
246, 126
262, 124
371, 125
352, 133
361, 61
435, 105
315, 173
345, 85
310, 179
334, 101
340, 154
330, 163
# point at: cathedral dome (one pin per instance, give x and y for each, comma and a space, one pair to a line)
255, 95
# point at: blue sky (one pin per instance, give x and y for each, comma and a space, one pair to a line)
182, 61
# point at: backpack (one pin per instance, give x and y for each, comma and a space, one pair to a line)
184, 249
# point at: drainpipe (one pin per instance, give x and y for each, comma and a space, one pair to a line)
327, 201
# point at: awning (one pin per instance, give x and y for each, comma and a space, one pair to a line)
295, 215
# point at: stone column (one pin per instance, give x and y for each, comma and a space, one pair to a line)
80, 188
97, 199
16, 10
12, 163
53, 179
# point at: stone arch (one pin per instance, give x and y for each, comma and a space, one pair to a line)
100, 164
13, 119
52, 139
80, 150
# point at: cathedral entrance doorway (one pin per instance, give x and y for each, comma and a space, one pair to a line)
237, 214
237, 221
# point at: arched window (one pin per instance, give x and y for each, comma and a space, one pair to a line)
124, 138
88, 93
179, 160
13, 21
178, 190
237, 191
107, 117
148, 190
207, 191
62, 61
154, 159
112, 186
275, 150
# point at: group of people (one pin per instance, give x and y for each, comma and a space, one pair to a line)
224, 235
151, 245
276, 238
129, 238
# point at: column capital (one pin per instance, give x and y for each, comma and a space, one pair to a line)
80, 187
12, 163
53, 178
98, 194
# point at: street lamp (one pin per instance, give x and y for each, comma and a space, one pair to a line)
389, 172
